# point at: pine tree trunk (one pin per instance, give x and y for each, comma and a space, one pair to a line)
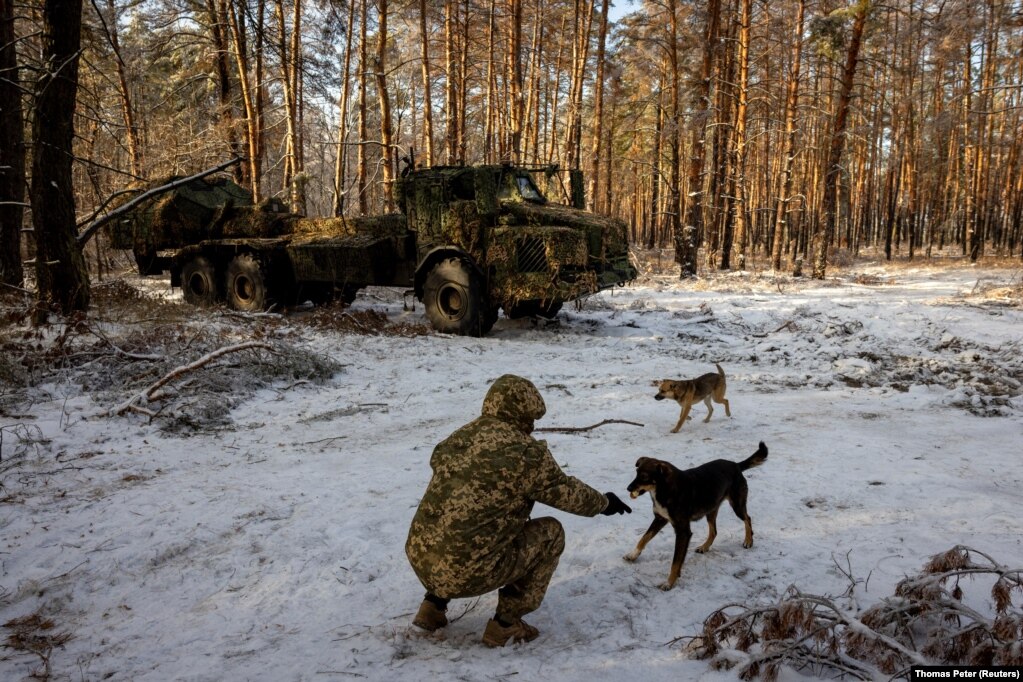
490, 128
515, 78
692, 225
451, 91
12, 153
833, 172
131, 133
739, 163
427, 89
288, 86
598, 109
341, 160
362, 176
386, 129
655, 174
61, 274
791, 107
249, 96
216, 12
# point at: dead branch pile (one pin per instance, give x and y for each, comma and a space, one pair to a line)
337, 317
926, 622
181, 373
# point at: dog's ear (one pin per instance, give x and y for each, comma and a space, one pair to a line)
663, 469
640, 461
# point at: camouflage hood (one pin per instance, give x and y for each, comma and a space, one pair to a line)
516, 400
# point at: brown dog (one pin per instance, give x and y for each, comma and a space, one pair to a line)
686, 392
683, 496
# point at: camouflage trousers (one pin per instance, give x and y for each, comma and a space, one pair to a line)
524, 572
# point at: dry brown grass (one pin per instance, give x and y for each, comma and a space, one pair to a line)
37, 635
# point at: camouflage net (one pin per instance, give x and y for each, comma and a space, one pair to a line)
177, 217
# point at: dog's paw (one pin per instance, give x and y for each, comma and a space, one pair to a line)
631, 556
746, 545
699, 550
666, 586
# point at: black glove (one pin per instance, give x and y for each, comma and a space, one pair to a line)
615, 506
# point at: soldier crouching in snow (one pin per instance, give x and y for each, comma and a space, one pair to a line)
472, 533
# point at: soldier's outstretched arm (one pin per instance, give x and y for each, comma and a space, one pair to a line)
550, 485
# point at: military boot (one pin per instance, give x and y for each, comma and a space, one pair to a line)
498, 635
430, 617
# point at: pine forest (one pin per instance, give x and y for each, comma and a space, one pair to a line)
736, 133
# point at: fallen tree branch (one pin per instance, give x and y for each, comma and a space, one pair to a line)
153, 391
92, 227
788, 325
580, 429
924, 623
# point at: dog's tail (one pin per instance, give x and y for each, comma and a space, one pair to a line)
756, 459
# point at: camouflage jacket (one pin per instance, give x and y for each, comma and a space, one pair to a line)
486, 477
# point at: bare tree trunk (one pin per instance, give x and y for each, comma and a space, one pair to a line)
655, 173
515, 78
552, 105
259, 100
427, 90
288, 86
791, 106
12, 153
341, 160
451, 91
580, 53
686, 250
682, 237
131, 134
598, 109
362, 181
298, 181
609, 153
833, 172
216, 11
386, 130
249, 95
61, 274
739, 163
463, 80
532, 113
490, 108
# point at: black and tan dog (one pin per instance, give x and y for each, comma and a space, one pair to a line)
683, 496
686, 392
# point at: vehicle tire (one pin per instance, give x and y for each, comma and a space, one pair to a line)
453, 296
245, 284
199, 282
544, 309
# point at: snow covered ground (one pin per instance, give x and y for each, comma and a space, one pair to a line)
268, 545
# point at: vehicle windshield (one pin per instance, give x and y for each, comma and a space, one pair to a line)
526, 190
